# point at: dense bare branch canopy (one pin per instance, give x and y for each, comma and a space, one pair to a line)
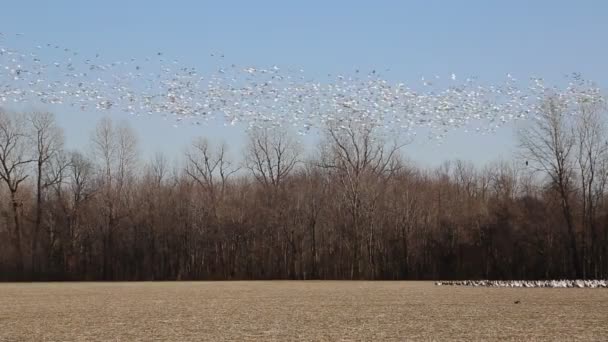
14, 154
570, 148
354, 210
209, 168
271, 155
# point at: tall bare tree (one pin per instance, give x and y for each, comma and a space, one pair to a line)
47, 142
591, 156
548, 146
357, 155
210, 169
14, 159
271, 156
115, 151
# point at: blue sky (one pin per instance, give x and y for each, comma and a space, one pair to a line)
410, 38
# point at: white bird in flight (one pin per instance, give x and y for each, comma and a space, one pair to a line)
259, 95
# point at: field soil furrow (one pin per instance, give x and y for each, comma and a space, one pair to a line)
293, 310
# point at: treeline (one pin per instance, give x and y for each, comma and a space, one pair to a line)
352, 210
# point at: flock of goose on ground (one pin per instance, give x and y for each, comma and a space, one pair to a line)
593, 284
267, 96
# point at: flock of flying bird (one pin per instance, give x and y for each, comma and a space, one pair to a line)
272, 96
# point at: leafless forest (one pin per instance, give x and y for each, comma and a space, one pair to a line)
352, 208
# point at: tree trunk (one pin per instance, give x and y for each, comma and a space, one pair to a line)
313, 249
38, 222
571, 236
17, 235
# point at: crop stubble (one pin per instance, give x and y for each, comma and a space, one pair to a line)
292, 310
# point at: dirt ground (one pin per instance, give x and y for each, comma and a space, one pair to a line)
306, 311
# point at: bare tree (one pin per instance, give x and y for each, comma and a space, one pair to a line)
503, 180
14, 159
209, 169
80, 178
592, 154
548, 147
115, 150
158, 169
356, 155
47, 141
127, 154
271, 156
